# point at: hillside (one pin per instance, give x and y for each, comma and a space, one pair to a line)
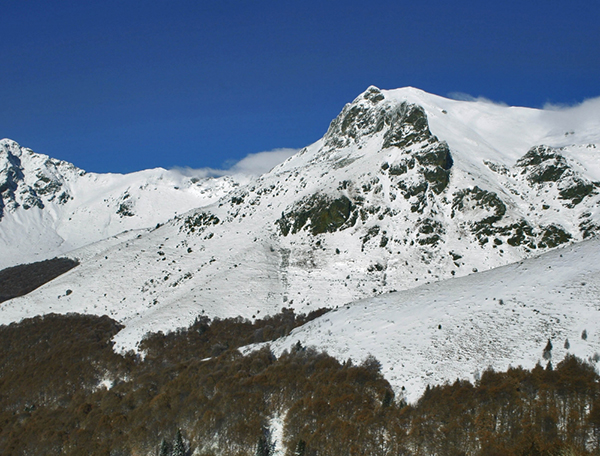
458, 328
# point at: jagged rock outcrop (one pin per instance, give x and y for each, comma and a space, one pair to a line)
40, 184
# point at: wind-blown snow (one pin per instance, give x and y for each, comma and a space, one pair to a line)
251, 165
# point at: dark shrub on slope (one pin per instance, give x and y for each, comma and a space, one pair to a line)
20, 280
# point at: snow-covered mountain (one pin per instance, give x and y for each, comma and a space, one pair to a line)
405, 188
49, 207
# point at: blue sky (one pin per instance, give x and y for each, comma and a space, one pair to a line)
119, 86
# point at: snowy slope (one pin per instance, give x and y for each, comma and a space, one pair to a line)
49, 207
456, 328
405, 188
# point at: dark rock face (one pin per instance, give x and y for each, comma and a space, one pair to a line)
553, 236
319, 213
15, 192
358, 119
407, 125
199, 222
543, 165
10, 177
575, 190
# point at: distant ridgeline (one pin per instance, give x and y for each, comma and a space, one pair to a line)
63, 390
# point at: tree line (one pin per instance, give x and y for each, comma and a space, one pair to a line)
63, 391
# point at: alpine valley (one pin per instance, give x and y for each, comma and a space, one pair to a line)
446, 236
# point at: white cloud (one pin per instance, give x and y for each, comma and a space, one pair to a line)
251, 165
582, 119
461, 96
261, 162
591, 105
587, 107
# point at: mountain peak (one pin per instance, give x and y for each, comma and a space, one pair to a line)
401, 123
7, 145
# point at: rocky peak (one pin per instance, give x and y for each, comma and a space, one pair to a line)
30, 180
370, 113
415, 160
8, 148
11, 173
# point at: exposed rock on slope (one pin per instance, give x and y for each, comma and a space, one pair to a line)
19, 188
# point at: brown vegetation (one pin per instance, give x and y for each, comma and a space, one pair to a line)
54, 373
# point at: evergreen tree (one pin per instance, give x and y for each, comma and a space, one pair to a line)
300, 448
265, 445
178, 446
548, 350
165, 448
371, 363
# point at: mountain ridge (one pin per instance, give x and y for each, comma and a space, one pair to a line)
50, 207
